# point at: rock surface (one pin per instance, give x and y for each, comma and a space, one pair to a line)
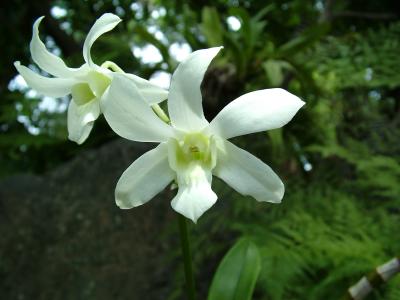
63, 237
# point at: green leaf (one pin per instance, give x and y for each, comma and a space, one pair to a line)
305, 40
237, 274
274, 70
211, 26
277, 142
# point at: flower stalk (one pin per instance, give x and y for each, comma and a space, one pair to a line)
187, 257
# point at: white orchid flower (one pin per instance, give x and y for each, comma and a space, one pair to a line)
191, 149
86, 84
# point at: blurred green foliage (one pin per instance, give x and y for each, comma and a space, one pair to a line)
339, 157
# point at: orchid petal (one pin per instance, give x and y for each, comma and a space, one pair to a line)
81, 119
247, 174
185, 101
53, 87
256, 111
46, 60
151, 92
195, 195
129, 115
145, 178
102, 25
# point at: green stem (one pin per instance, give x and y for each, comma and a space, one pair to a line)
160, 113
187, 258
113, 66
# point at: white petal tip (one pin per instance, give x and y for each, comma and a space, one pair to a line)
194, 219
79, 133
35, 32
38, 20
73, 139
20, 68
277, 200
278, 196
127, 202
300, 103
122, 204
293, 96
36, 24
122, 200
111, 19
191, 218
280, 192
194, 211
112, 16
217, 49
274, 198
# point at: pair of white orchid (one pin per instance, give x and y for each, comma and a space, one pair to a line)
190, 148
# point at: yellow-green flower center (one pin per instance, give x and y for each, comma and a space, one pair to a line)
93, 86
193, 148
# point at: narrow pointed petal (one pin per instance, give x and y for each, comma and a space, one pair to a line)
145, 178
185, 100
247, 174
46, 60
151, 92
102, 25
129, 115
81, 119
256, 111
53, 87
195, 195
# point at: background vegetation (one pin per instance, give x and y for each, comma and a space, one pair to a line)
339, 157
